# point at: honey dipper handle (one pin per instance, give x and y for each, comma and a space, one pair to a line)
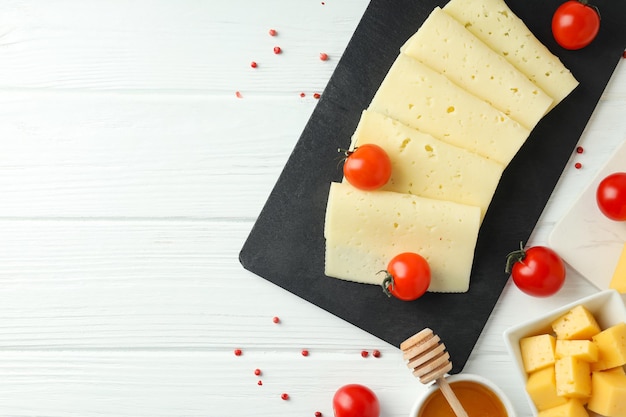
451, 397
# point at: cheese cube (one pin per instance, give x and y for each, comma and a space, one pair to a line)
611, 345
541, 387
365, 230
428, 167
446, 46
584, 350
424, 99
493, 22
618, 281
537, 351
573, 377
608, 394
578, 323
572, 408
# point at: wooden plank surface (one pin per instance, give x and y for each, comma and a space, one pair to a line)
130, 176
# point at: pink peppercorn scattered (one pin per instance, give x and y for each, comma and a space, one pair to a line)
376, 353
284, 396
365, 353
324, 56
276, 319
579, 149
578, 165
305, 352
257, 372
302, 95
277, 50
272, 32
253, 64
238, 352
318, 414
260, 382
238, 94
316, 95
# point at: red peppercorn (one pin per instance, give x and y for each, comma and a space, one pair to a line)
257, 372
272, 32
284, 396
624, 54
238, 352
277, 50
238, 94
316, 95
276, 319
302, 95
305, 352
323, 56
365, 353
253, 64
579, 149
376, 353
318, 414
578, 165
260, 382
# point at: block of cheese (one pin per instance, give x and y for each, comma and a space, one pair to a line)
424, 99
573, 377
584, 350
611, 344
493, 22
541, 387
428, 167
572, 408
364, 230
537, 351
618, 280
446, 46
578, 323
608, 394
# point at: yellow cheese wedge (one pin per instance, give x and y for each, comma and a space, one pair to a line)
608, 394
573, 377
541, 387
365, 230
537, 351
618, 281
428, 167
446, 46
493, 22
424, 99
572, 408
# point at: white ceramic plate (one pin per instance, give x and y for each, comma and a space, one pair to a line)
585, 238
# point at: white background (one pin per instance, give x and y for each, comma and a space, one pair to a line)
130, 176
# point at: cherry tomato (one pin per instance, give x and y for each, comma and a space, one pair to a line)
611, 196
538, 271
575, 24
354, 400
368, 167
407, 276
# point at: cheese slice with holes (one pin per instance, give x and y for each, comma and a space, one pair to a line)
364, 230
428, 167
424, 99
493, 22
446, 46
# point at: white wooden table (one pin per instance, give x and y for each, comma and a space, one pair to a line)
130, 176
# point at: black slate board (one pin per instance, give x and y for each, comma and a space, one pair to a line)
286, 244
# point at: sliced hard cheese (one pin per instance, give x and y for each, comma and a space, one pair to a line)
446, 46
364, 230
618, 281
427, 167
426, 100
493, 22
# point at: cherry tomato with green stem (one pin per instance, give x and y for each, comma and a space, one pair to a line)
407, 276
367, 167
538, 271
575, 24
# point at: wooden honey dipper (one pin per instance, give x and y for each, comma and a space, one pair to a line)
429, 361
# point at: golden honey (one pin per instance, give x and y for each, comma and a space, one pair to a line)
477, 400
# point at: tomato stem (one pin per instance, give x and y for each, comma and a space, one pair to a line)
387, 282
515, 256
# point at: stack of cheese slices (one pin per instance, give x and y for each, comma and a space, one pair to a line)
459, 101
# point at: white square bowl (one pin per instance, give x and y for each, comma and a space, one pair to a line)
606, 306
